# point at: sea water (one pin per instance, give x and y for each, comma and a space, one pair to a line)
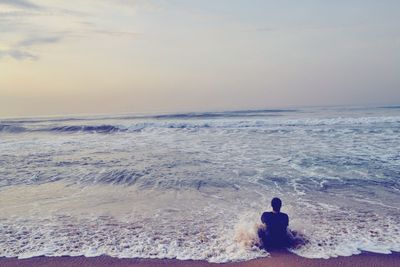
194, 185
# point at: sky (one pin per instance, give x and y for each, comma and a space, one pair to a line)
144, 56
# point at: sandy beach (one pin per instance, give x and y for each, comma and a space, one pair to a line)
277, 259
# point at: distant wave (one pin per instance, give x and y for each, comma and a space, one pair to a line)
7, 128
11, 128
261, 113
40, 120
225, 114
270, 124
189, 115
87, 128
391, 107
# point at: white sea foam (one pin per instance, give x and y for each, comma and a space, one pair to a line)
58, 219
124, 223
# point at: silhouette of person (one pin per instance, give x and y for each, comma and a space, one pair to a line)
275, 235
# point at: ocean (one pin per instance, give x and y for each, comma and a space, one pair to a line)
194, 185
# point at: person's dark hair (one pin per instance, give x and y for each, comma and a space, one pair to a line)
276, 204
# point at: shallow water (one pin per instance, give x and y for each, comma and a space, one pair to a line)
193, 186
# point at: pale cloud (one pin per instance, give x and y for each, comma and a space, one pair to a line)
17, 54
19, 3
26, 25
147, 5
38, 40
21, 50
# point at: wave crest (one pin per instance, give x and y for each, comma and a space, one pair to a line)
87, 128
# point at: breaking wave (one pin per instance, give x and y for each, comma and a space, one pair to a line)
86, 128
270, 124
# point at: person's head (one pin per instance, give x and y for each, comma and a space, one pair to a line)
276, 204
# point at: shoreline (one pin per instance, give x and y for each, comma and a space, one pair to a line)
277, 259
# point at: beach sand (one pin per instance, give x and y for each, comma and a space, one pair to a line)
277, 259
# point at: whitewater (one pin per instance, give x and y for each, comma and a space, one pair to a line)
194, 185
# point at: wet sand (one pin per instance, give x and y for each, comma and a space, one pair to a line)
277, 259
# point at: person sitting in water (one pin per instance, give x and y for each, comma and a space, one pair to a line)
275, 235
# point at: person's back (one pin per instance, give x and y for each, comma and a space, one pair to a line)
276, 223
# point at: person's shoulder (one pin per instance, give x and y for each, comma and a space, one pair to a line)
284, 215
266, 214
